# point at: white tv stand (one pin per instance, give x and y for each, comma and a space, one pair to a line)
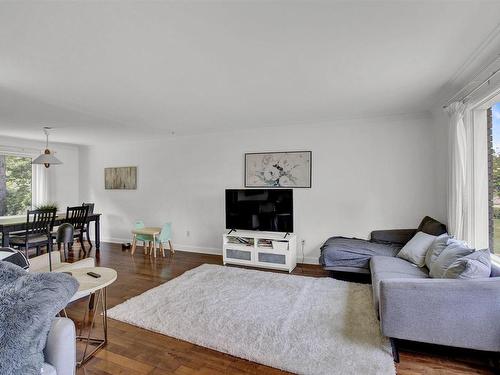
257, 249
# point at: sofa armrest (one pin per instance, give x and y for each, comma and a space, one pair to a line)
461, 313
60, 349
41, 262
82, 263
397, 236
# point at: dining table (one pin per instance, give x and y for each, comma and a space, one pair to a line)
18, 224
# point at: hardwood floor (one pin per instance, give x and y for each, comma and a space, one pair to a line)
133, 350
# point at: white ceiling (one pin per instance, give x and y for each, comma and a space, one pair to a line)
101, 71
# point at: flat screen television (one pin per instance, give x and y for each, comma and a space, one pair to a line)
260, 209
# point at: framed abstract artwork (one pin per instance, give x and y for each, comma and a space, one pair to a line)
291, 169
120, 178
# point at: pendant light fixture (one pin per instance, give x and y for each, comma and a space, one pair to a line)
46, 158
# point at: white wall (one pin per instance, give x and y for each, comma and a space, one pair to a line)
367, 174
441, 165
63, 180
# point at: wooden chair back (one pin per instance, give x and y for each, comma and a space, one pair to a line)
39, 221
65, 234
77, 216
90, 206
166, 233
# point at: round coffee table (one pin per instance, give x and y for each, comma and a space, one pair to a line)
95, 289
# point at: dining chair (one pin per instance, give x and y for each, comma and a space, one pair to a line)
77, 216
145, 239
164, 237
38, 222
64, 236
86, 228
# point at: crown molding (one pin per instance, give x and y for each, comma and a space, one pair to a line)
483, 50
478, 61
18, 151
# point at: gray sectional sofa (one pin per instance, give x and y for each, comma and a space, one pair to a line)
413, 306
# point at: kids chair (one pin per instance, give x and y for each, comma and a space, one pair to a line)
139, 224
164, 237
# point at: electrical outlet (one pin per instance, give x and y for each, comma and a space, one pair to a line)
303, 243
188, 233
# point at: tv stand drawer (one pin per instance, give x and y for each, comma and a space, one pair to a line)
271, 258
242, 255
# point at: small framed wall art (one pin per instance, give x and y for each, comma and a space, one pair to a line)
120, 178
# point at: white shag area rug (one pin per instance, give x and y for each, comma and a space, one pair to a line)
300, 324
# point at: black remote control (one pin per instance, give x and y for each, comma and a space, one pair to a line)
93, 274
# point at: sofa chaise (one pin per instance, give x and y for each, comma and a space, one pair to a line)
353, 254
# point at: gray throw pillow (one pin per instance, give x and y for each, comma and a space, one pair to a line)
28, 304
453, 251
473, 266
432, 226
414, 251
437, 247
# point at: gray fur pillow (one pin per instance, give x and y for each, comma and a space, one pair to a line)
28, 304
10, 274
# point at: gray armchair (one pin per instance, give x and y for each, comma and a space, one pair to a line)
60, 349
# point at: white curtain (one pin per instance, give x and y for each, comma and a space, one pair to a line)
458, 188
39, 183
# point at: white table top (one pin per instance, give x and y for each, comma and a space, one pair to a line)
89, 284
148, 231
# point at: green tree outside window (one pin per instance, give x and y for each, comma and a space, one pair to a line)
15, 185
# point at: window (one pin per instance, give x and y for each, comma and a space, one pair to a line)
15, 184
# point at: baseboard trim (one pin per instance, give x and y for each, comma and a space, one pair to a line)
205, 250
187, 248
198, 249
308, 260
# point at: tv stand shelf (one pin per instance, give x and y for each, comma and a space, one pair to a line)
260, 249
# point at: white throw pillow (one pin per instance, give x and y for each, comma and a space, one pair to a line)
414, 251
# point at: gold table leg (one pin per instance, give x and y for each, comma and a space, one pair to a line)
134, 244
101, 297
